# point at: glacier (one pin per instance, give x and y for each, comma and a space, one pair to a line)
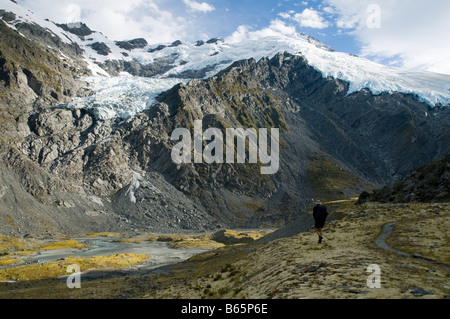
360, 73
123, 96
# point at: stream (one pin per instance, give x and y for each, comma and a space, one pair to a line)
161, 253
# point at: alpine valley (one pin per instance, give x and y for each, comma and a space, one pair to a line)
85, 126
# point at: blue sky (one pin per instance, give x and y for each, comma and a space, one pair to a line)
412, 34
228, 15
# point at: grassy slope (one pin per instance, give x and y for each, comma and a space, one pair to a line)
329, 181
298, 267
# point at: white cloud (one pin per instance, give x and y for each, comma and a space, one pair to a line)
309, 18
412, 35
276, 28
328, 10
285, 15
117, 19
197, 6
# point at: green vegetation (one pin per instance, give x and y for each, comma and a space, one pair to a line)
245, 102
255, 206
44, 66
329, 181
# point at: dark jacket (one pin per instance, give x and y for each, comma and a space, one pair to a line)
320, 215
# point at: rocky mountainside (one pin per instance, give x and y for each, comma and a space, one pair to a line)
430, 183
332, 143
76, 160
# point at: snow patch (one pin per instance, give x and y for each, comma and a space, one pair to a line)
96, 200
24, 15
134, 185
360, 73
124, 96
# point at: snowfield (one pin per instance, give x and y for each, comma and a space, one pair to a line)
124, 96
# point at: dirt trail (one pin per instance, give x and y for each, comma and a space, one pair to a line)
386, 232
381, 242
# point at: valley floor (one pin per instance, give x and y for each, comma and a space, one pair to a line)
298, 267
413, 257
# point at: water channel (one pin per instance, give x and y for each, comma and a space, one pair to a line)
161, 253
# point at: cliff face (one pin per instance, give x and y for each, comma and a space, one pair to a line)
332, 144
37, 71
429, 183
119, 174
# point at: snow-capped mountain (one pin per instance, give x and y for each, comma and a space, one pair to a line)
171, 63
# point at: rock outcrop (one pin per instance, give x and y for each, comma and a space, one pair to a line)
36, 72
430, 183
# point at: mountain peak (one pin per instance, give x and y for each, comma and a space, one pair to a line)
203, 59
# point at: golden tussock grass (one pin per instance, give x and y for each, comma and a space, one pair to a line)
54, 269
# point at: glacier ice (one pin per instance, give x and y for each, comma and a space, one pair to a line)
360, 73
124, 96
121, 96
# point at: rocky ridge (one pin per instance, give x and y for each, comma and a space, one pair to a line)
430, 183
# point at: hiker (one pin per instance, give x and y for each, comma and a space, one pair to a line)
320, 215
